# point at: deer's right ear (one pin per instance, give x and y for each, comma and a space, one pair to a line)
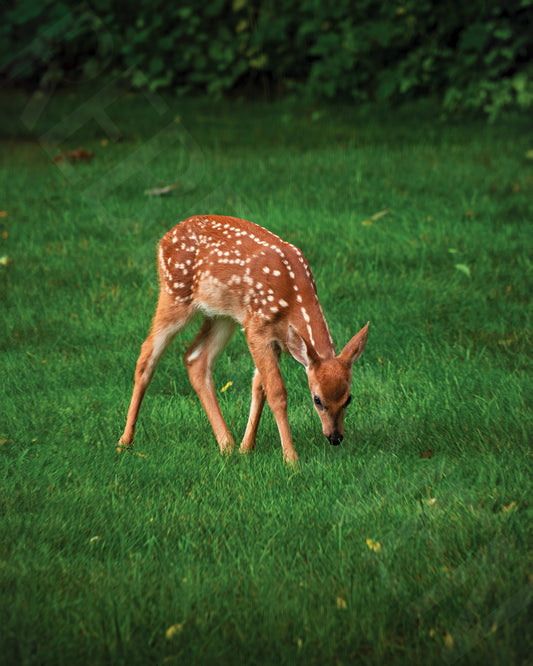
355, 347
299, 349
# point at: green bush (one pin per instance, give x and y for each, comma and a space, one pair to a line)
475, 55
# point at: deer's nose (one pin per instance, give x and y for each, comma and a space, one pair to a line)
335, 439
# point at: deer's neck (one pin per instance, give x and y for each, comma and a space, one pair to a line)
307, 316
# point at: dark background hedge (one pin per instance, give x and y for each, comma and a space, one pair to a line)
474, 54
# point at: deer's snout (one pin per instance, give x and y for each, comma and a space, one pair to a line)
335, 439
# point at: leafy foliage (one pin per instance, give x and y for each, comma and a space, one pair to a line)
476, 55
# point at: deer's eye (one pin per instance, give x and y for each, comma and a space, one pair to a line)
318, 402
347, 402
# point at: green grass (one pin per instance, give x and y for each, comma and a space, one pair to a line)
242, 559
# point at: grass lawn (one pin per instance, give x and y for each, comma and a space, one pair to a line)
411, 542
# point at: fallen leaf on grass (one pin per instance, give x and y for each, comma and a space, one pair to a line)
341, 603
427, 454
3, 213
226, 387
172, 631
509, 507
464, 269
73, 156
448, 641
5, 260
373, 545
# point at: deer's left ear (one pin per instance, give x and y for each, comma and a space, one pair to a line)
355, 347
299, 349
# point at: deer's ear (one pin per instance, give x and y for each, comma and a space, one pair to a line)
299, 349
355, 347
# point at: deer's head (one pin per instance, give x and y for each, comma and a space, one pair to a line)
329, 379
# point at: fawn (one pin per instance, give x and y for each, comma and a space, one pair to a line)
236, 272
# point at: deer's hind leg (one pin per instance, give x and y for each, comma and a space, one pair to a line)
170, 318
256, 409
213, 336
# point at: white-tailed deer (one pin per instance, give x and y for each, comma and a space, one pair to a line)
235, 272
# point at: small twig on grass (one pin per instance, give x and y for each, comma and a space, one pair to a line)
373, 218
381, 213
158, 191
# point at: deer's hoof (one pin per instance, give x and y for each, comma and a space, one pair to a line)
122, 446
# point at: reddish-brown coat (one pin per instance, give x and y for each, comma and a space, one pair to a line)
234, 271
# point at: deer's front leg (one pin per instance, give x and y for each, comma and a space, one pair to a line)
266, 362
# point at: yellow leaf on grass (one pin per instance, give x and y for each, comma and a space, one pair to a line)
174, 630
448, 641
3, 213
225, 388
373, 545
241, 26
341, 603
